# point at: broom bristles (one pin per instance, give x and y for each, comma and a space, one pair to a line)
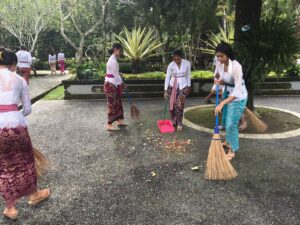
218, 166
135, 113
258, 124
41, 162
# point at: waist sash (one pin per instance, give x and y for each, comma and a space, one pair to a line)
109, 75
8, 108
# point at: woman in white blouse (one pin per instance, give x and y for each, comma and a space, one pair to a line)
177, 86
113, 87
52, 62
235, 95
17, 166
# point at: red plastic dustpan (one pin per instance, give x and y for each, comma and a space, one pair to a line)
165, 126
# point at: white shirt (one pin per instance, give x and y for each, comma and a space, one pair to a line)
112, 67
183, 75
13, 88
52, 58
24, 59
298, 61
61, 56
234, 75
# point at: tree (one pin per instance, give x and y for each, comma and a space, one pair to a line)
247, 13
25, 19
264, 44
83, 18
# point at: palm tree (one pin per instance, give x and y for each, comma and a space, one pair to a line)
138, 45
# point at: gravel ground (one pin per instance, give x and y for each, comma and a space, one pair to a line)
130, 177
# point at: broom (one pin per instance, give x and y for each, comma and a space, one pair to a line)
218, 166
134, 112
41, 162
258, 124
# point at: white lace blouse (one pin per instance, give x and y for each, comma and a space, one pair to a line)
13, 88
112, 68
183, 75
234, 76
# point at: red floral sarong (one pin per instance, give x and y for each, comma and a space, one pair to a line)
114, 102
17, 169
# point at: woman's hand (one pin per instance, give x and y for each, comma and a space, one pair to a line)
166, 95
219, 82
219, 108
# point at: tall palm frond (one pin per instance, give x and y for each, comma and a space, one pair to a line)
139, 43
215, 39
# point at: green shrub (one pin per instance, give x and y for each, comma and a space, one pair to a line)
293, 71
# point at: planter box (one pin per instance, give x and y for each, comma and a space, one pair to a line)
86, 89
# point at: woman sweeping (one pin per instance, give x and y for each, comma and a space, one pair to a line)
113, 87
235, 96
17, 166
177, 86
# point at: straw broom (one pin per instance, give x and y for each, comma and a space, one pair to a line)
218, 166
134, 111
41, 162
258, 124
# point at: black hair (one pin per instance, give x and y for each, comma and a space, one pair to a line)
2, 48
23, 47
226, 49
115, 46
178, 53
8, 58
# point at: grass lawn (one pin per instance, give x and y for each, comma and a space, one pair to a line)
277, 121
56, 94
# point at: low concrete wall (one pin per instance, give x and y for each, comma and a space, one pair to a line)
154, 88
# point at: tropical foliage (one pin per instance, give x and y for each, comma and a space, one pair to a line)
138, 45
214, 39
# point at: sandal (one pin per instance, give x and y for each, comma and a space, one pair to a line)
12, 216
40, 199
113, 129
122, 124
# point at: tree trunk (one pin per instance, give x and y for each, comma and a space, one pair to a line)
136, 67
247, 13
79, 54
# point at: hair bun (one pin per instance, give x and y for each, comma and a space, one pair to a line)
8, 58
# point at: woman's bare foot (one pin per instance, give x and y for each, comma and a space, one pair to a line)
11, 213
122, 123
243, 126
111, 127
225, 145
38, 196
230, 155
179, 128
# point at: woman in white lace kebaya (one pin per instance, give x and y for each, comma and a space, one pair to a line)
235, 96
17, 169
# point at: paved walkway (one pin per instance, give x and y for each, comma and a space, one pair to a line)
130, 177
40, 85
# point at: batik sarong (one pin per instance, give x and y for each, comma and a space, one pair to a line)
114, 102
25, 73
178, 105
17, 170
61, 66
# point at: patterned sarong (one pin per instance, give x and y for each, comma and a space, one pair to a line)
114, 102
177, 107
17, 171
